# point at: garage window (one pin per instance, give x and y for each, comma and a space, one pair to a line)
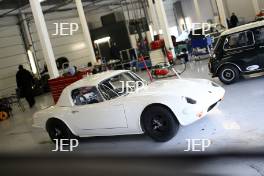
85, 96
239, 40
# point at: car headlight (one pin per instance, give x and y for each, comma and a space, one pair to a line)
190, 100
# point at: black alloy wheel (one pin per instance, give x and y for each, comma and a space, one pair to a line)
58, 130
229, 74
160, 123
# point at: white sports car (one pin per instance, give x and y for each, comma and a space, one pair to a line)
120, 103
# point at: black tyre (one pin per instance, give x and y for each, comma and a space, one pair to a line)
159, 123
228, 74
58, 130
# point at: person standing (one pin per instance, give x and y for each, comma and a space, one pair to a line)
233, 20
25, 82
174, 41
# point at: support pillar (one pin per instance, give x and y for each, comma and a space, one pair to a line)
86, 32
197, 11
164, 25
44, 38
256, 6
221, 12
153, 16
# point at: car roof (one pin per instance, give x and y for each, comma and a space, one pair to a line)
94, 80
243, 28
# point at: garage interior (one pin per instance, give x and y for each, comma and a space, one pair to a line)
236, 125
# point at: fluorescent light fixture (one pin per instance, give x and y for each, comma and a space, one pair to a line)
32, 62
41, 0
102, 40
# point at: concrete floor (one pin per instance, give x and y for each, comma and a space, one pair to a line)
237, 125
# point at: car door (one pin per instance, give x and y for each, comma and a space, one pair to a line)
259, 38
94, 113
240, 49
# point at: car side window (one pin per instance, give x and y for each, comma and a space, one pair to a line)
259, 35
85, 96
239, 40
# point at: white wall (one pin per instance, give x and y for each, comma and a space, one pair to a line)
189, 12
206, 10
244, 10
261, 4
73, 46
12, 54
168, 5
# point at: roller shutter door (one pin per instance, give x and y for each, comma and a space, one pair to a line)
12, 54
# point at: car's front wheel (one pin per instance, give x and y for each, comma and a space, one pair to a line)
159, 123
58, 130
228, 74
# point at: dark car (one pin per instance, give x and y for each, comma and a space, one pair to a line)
239, 51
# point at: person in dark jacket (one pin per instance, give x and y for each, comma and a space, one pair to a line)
25, 82
233, 20
174, 41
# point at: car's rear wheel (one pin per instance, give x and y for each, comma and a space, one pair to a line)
58, 130
228, 74
159, 123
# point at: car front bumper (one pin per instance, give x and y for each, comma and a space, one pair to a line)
193, 113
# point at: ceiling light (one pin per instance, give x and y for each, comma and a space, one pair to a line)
102, 40
32, 62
